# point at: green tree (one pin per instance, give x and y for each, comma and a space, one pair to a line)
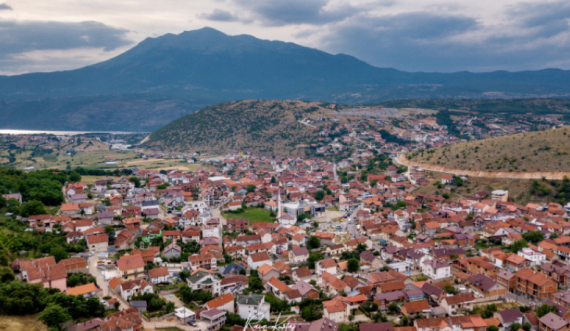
554, 235
74, 177
3, 202
33, 207
514, 327
526, 326
136, 181
169, 308
534, 236
393, 308
6, 275
493, 328
545, 309
110, 231
319, 195
59, 253
250, 188
518, 245
361, 248
54, 315
313, 258
13, 206
353, 265
314, 242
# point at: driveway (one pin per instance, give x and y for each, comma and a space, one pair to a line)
172, 298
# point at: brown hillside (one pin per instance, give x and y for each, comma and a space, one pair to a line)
540, 151
258, 126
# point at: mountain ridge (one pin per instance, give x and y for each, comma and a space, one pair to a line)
206, 67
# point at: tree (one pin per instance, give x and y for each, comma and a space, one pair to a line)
448, 288
110, 231
3, 202
393, 308
361, 248
313, 258
319, 195
379, 317
493, 328
545, 309
405, 320
59, 253
54, 315
353, 265
136, 181
518, 245
314, 242
33, 207
250, 188
554, 235
74, 177
6, 275
13, 206
526, 326
514, 327
169, 308
534, 236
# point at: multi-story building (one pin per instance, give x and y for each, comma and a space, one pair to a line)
534, 284
253, 307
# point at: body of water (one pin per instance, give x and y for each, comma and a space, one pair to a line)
61, 133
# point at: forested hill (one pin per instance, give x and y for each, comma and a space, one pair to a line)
164, 78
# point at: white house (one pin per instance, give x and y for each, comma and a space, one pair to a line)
256, 260
328, 265
299, 255
536, 258
159, 275
253, 307
203, 280
436, 269
134, 287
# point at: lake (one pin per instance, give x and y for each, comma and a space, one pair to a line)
60, 133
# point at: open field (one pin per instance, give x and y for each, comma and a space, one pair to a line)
524, 155
252, 214
519, 189
21, 323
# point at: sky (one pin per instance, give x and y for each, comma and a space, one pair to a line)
410, 35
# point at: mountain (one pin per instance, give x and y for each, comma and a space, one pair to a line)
270, 127
205, 67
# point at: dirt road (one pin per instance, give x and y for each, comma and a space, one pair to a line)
557, 175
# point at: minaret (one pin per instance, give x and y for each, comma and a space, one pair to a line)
334, 172
279, 204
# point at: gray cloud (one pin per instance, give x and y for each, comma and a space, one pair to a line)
219, 15
18, 37
5, 6
315, 12
433, 42
546, 19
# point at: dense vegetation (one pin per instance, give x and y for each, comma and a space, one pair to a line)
35, 244
20, 298
44, 186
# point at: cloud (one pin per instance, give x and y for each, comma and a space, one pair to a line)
435, 42
545, 19
25, 36
290, 12
5, 6
219, 15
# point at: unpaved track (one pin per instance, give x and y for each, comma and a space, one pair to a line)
557, 175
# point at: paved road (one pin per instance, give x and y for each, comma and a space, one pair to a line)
519, 299
102, 283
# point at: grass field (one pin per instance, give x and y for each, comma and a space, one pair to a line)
253, 215
21, 323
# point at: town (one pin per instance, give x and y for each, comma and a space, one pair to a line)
309, 243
